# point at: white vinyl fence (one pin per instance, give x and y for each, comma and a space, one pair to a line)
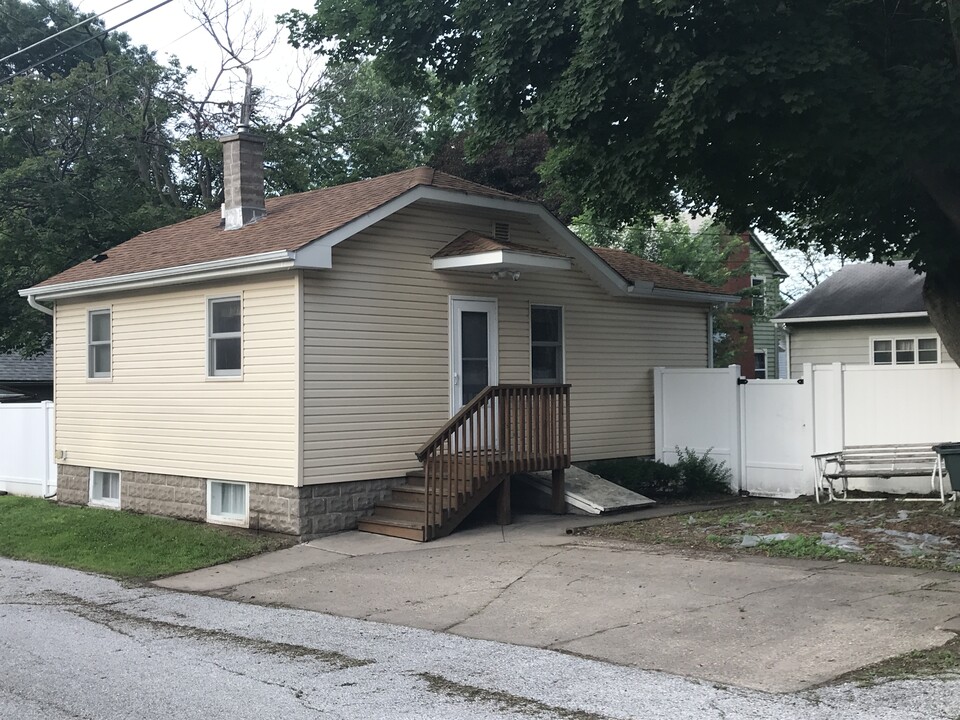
27, 466
767, 430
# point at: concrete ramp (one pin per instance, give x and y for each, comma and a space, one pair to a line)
587, 493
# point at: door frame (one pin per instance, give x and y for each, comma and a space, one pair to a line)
453, 338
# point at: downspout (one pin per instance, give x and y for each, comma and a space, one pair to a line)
32, 302
710, 337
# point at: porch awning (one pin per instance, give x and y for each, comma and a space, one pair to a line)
473, 252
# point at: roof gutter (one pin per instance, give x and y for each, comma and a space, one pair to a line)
851, 318
213, 270
32, 302
693, 296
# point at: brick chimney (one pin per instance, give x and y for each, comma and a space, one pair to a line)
243, 194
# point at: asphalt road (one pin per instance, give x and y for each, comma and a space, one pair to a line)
74, 645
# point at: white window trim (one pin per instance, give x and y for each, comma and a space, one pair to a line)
892, 339
105, 502
91, 375
208, 339
762, 297
563, 339
766, 363
232, 520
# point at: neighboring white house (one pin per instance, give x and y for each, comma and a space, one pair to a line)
864, 314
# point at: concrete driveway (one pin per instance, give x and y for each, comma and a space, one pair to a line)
779, 625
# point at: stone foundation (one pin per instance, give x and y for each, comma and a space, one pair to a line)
305, 511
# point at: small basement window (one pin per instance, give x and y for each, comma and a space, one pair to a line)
105, 488
224, 337
227, 503
98, 344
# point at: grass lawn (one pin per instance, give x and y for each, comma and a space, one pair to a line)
119, 543
887, 532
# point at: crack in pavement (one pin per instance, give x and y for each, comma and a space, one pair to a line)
500, 594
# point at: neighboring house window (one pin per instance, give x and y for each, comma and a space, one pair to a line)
98, 344
758, 286
105, 488
224, 351
760, 365
227, 502
546, 344
905, 351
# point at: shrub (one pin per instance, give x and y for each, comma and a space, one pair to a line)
692, 475
702, 474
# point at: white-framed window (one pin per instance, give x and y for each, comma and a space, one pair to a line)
105, 488
760, 364
758, 289
905, 351
98, 343
546, 344
224, 337
228, 503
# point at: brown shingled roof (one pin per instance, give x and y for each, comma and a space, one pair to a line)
635, 269
292, 221
473, 242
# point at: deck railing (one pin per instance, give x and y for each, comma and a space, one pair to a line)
504, 430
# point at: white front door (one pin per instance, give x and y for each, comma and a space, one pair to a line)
473, 349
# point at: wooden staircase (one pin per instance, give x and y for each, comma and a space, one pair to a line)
505, 429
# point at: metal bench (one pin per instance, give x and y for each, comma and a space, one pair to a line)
877, 461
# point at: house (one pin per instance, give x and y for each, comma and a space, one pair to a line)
755, 275
864, 314
285, 364
26, 379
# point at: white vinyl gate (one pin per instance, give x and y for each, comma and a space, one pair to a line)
766, 430
777, 441
761, 429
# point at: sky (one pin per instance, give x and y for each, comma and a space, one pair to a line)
165, 31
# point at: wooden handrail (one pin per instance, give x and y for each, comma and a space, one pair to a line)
504, 430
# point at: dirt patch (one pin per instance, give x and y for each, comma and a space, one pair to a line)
504, 701
886, 532
941, 662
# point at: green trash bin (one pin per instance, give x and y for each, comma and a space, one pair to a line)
950, 452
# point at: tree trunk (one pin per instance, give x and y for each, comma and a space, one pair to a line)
941, 295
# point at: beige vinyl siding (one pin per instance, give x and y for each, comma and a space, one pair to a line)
849, 342
159, 412
376, 353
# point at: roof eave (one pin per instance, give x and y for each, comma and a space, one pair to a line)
501, 259
850, 318
182, 274
692, 296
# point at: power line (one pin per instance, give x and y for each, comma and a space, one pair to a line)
66, 30
84, 42
105, 78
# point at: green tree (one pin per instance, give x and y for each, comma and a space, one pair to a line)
827, 123
84, 164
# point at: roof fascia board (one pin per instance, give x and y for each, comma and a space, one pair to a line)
231, 267
590, 261
694, 296
755, 239
852, 318
482, 260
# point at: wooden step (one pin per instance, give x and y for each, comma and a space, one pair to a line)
394, 528
401, 510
